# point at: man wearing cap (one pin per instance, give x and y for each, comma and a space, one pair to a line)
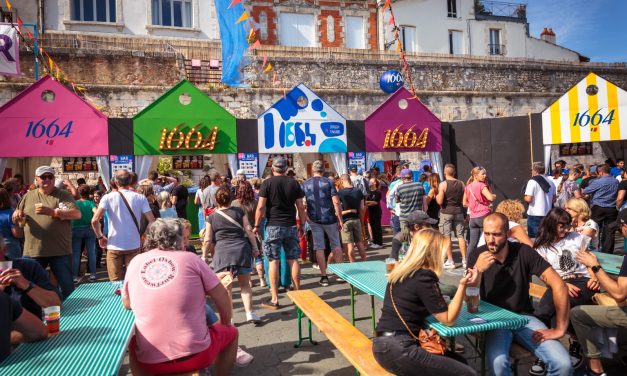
280, 197
415, 222
409, 195
587, 319
602, 193
324, 211
48, 212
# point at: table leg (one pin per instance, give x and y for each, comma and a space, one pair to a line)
482, 347
300, 315
352, 299
374, 324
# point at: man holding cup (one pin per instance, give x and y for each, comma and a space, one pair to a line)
505, 271
48, 212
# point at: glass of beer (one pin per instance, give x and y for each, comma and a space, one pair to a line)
5, 265
390, 263
21, 221
52, 315
472, 299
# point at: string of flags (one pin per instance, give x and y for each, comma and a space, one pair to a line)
254, 42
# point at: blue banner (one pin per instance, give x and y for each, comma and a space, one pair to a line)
234, 42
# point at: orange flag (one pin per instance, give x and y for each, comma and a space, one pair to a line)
268, 68
8, 4
398, 46
50, 64
251, 35
242, 18
234, 3
387, 4
254, 45
19, 23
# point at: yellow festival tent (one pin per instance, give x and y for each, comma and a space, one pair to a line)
593, 110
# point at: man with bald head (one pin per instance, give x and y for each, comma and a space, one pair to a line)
353, 207
125, 209
505, 270
452, 223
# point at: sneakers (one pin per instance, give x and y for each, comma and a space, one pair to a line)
449, 264
324, 281
339, 280
242, 359
574, 350
464, 264
270, 305
76, 280
315, 266
538, 368
92, 278
262, 282
375, 246
253, 318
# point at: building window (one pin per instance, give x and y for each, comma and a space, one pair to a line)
297, 29
495, 46
93, 10
408, 38
176, 13
330, 29
263, 25
455, 42
355, 34
451, 7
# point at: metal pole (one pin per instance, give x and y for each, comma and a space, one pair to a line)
36, 47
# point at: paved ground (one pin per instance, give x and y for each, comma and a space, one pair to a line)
272, 344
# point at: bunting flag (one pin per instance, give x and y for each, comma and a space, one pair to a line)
251, 35
242, 18
8, 4
50, 64
30, 36
387, 4
19, 23
392, 21
399, 48
234, 3
254, 45
268, 68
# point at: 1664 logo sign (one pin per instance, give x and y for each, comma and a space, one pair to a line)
192, 140
395, 139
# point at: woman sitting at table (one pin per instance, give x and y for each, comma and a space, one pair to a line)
411, 295
166, 288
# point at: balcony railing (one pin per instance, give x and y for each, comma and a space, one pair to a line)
496, 49
490, 10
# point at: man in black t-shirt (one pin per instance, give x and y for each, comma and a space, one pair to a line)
279, 199
506, 269
179, 199
353, 208
586, 319
26, 326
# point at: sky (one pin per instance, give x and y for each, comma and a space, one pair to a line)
594, 28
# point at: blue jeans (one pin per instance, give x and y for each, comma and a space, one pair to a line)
210, 315
89, 236
533, 224
61, 267
395, 221
552, 353
280, 236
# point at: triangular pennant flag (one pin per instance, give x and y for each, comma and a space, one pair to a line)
80, 88
403, 55
387, 4
274, 80
8, 4
57, 72
50, 64
30, 35
398, 46
19, 23
268, 68
242, 18
251, 35
234, 3
254, 45
392, 22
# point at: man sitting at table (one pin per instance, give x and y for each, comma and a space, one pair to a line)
587, 318
16, 321
166, 288
27, 282
505, 269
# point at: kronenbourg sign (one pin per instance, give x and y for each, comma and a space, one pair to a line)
9, 51
301, 122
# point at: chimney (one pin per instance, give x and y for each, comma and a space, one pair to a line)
548, 35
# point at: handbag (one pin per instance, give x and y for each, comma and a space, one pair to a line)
139, 230
489, 206
429, 340
605, 299
225, 216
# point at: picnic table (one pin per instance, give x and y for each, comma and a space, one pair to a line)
369, 277
611, 263
95, 332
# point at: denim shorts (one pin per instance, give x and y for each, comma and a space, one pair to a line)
236, 270
278, 237
318, 230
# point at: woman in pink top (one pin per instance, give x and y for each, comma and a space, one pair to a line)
166, 288
477, 198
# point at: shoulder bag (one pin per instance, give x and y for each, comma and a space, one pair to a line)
139, 230
489, 206
233, 221
429, 340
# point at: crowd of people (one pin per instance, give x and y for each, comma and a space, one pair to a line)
140, 228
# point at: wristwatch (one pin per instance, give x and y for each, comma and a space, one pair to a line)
596, 268
30, 287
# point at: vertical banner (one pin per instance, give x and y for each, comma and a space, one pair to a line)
249, 162
234, 25
9, 51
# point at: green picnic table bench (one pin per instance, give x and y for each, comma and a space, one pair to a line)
95, 332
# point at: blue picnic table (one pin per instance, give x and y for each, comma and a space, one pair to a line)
611, 263
95, 332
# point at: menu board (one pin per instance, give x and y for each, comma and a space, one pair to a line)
79, 164
288, 157
249, 162
583, 148
357, 158
187, 162
121, 162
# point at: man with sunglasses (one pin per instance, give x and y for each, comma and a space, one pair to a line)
48, 213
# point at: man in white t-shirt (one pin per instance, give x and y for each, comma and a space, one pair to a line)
539, 193
124, 241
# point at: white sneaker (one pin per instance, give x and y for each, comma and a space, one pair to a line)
242, 359
315, 266
449, 264
375, 246
464, 264
253, 317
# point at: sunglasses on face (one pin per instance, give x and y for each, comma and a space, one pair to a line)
564, 226
47, 177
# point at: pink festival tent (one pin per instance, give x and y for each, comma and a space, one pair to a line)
49, 120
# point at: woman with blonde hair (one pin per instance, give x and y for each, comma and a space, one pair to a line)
477, 198
411, 295
513, 210
580, 212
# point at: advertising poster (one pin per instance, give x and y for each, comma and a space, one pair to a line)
187, 162
79, 164
249, 162
357, 158
121, 162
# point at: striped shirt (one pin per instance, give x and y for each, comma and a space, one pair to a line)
409, 195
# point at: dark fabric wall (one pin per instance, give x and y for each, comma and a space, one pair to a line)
247, 135
121, 136
356, 135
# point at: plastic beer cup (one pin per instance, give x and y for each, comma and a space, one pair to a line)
52, 315
472, 299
